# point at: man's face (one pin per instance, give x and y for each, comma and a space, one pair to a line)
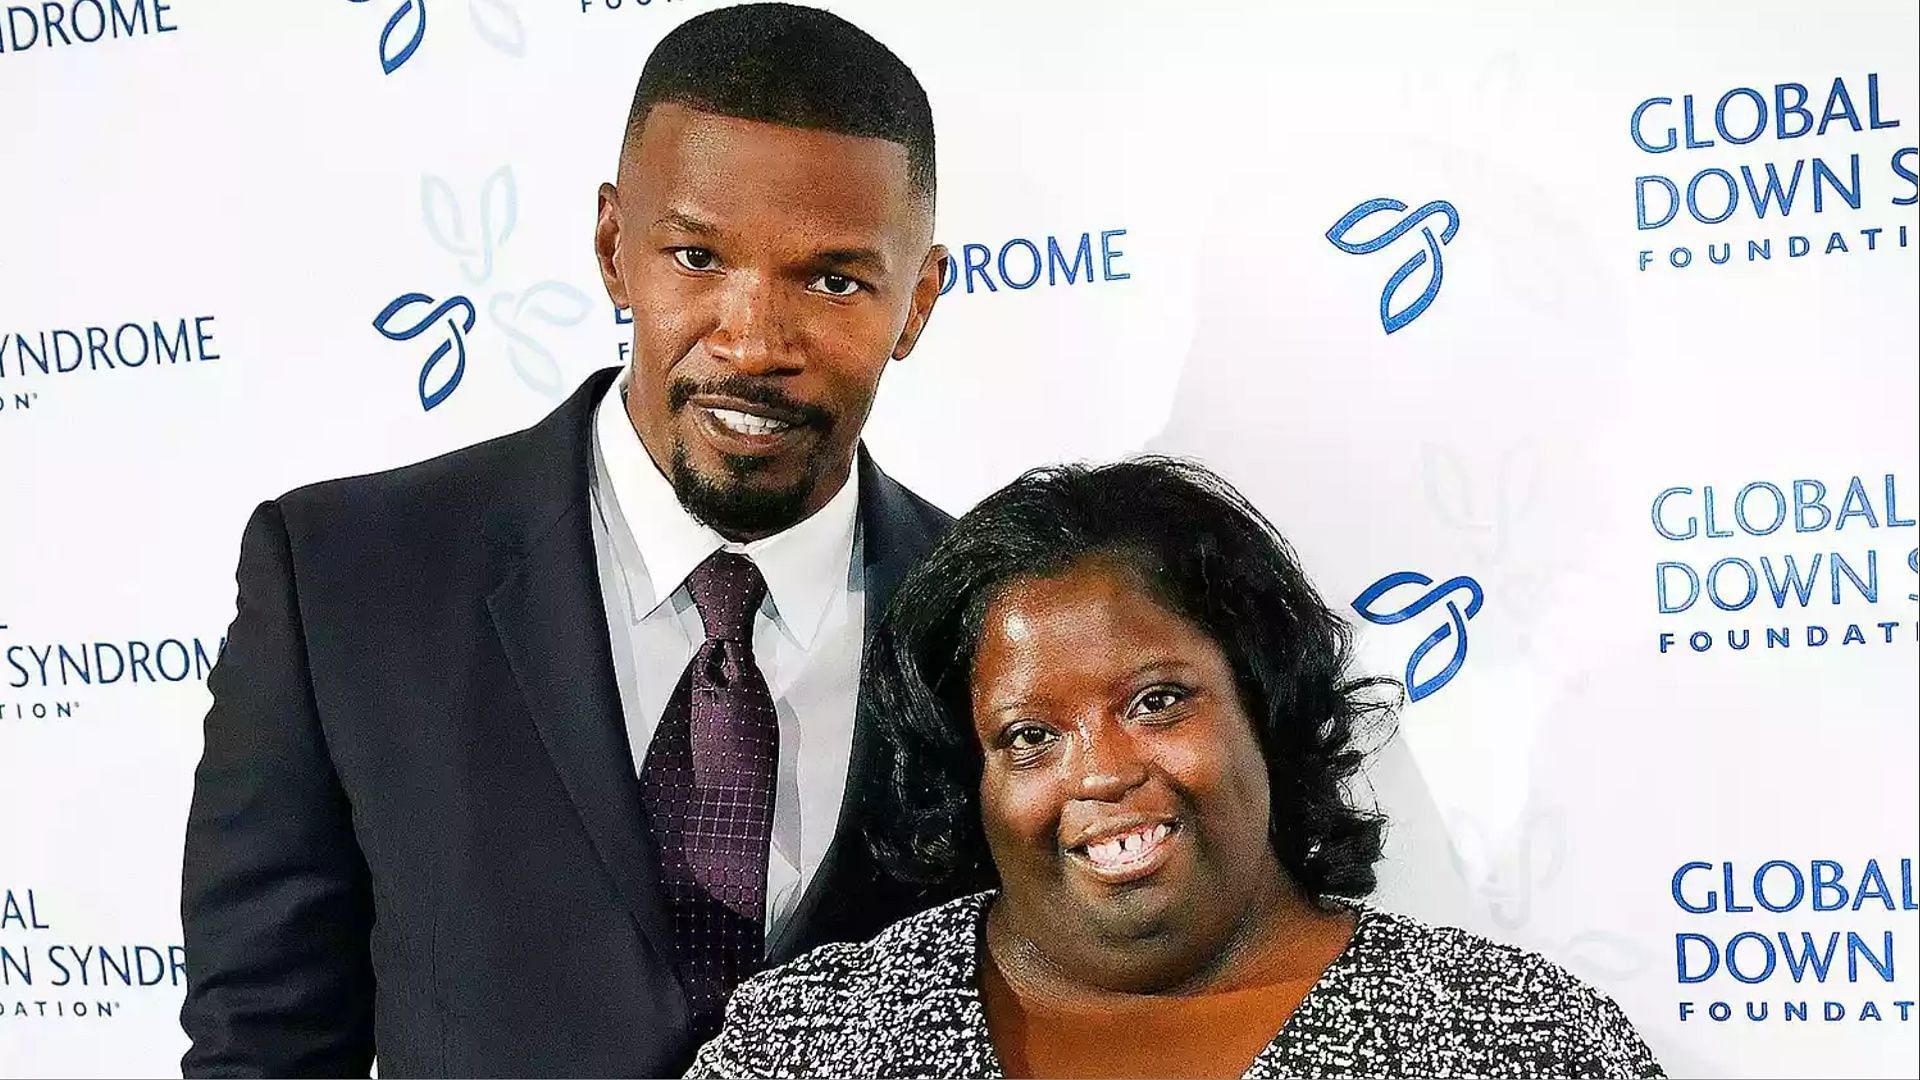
772, 272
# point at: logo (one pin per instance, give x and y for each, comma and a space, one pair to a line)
1455, 629
81, 22
474, 234
496, 21
46, 974
1736, 590
454, 342
1022, 263
29, 359
50, 680
616, 5
1826, 943
1391, 319
1761, 202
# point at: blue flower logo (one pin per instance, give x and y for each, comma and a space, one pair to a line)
474, 233
1455, 629
496, 21
1390, 318
436, 384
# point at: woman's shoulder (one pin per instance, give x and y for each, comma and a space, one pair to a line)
910, 948
844, 1008
1458, 983
1456, 961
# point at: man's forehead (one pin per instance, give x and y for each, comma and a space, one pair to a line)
683, 144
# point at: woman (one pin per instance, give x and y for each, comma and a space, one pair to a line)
1111, 700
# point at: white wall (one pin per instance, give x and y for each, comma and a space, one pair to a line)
252, 167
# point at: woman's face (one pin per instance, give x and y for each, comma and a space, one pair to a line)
1124, 794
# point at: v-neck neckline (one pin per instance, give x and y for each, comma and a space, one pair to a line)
981, 1036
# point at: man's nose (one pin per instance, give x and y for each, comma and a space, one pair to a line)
751, 332
1110, 762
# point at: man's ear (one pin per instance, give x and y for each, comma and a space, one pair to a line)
926, 291
606, 245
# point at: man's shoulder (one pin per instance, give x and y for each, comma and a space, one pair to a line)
929, 516
421, 489
506, 482
910, 524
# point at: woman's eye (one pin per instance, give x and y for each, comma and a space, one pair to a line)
835, 285
695, 258
1159, 699
1029, 737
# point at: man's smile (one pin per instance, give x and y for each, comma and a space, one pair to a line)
739, 427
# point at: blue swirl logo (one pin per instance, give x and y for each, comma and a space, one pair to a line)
474, 233
436, 384
405, 29
1339, 235
496, 21
1455, 629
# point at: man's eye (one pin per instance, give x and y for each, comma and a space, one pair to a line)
835, 285
695, 258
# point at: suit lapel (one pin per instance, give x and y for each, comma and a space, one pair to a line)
552, 625
894, 537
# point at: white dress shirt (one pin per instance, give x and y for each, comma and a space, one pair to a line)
806, 638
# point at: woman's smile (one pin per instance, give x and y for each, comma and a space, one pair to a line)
1121, 852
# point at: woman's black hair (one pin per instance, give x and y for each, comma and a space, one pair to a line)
1208, 556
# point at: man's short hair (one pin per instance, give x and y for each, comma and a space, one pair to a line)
791, 65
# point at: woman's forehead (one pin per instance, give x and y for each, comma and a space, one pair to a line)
1095, 619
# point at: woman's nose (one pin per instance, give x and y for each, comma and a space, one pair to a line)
1110, 763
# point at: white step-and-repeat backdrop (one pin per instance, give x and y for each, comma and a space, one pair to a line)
1574, 347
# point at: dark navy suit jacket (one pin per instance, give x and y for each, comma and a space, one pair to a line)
416, 830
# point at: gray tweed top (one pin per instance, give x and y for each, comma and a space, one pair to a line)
1403, 999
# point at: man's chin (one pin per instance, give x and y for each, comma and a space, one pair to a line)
742, 499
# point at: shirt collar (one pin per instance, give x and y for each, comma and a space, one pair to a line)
803, 565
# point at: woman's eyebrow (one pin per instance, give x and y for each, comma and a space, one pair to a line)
1162, 665
996, 706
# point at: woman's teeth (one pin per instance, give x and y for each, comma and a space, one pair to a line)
746, 423
1127, 848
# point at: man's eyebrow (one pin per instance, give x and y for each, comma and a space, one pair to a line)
856, 256
681, 222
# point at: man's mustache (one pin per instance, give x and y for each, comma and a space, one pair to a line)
754, 392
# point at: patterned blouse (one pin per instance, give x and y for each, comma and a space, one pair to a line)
1403, 999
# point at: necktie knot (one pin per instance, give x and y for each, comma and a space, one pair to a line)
727, 590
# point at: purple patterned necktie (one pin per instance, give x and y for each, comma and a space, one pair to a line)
708, 788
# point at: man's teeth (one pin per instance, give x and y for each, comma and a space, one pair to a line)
747, 423
1128, 848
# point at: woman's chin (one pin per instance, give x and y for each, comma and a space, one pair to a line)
1132, 902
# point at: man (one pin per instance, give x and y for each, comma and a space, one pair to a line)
521, 758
